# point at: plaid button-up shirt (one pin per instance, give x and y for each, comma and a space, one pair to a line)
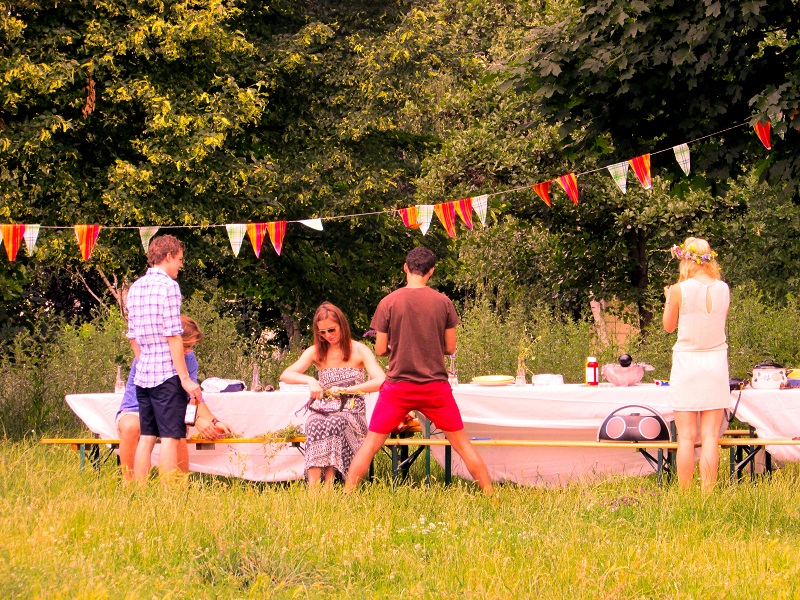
154, 313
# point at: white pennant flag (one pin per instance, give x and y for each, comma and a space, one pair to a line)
479, 205
312, 223
236, 234
30, 236
424, 216
146, 234
682, 156
619, 172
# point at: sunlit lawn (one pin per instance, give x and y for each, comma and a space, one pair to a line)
73, 534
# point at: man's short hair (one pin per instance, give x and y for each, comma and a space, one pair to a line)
160, 247
420, 260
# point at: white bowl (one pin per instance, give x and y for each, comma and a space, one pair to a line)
547, 379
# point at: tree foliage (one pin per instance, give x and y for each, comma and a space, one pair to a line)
623, 78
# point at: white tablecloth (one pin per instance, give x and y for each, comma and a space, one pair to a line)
250, 414
774, 414
564, 412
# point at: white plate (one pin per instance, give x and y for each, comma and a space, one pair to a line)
493, 380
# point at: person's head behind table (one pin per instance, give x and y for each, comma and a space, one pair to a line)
161, 247
328, 311
420, 260
696, 256
191, 333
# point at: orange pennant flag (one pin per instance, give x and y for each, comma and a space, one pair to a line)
277, 229
12, 238
762, 131
570, 184
464, 210
255, 231
87, 236
409, 216
447, 215
543, 190
641, 166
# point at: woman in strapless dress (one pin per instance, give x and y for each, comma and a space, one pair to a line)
346, 370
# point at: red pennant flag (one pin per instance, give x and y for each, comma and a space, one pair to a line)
762, 131
447, 215
87, 236
543, 189
570, 184
277, 229
12, 238
255, 232
464, 210
409, 216
641, 166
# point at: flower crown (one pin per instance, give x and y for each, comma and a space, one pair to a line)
691, 253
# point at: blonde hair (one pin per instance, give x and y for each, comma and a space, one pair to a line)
689, 267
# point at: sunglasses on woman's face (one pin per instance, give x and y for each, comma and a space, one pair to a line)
326, 331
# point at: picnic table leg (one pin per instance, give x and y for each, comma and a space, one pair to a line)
448, 458
82, 454
427, 454
660, 468
395, 468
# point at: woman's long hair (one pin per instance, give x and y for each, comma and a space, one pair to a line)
327, 310
689, 268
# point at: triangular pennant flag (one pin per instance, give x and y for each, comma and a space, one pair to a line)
277, 229
479, 205
447, 215
424, 216
87, 236
12, 238
256, 233
409, 216
570, 184
543, 191
464, 210
315, 224
619, 172
30, 237
641, 166
682, 156
762, 131
146, 234
236, 233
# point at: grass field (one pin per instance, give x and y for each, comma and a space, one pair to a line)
73, 534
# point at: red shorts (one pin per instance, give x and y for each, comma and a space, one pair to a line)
434, 400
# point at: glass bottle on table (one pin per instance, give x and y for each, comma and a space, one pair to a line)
119, 383
520, 379
452, 373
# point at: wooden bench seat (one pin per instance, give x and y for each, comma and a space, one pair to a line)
743, 449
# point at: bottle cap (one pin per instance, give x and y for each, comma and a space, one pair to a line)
591, 359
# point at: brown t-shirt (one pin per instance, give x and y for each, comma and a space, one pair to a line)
415, 319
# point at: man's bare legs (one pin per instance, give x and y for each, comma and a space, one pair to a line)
472, 460
458, 440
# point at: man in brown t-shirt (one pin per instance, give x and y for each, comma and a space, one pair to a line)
416, 326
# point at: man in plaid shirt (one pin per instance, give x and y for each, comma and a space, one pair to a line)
162, 380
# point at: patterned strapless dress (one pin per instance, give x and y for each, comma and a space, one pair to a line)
333, 439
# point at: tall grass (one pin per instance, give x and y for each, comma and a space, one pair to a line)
71, 534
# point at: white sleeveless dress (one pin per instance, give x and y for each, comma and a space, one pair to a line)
699, 377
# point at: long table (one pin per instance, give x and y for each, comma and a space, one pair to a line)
559, 412
773, 414
250, 414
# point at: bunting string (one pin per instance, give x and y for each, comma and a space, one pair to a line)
418, 216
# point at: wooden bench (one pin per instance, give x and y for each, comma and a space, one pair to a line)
743, 449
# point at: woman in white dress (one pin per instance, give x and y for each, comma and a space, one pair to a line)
699, 389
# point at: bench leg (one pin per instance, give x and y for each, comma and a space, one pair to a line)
448, 464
